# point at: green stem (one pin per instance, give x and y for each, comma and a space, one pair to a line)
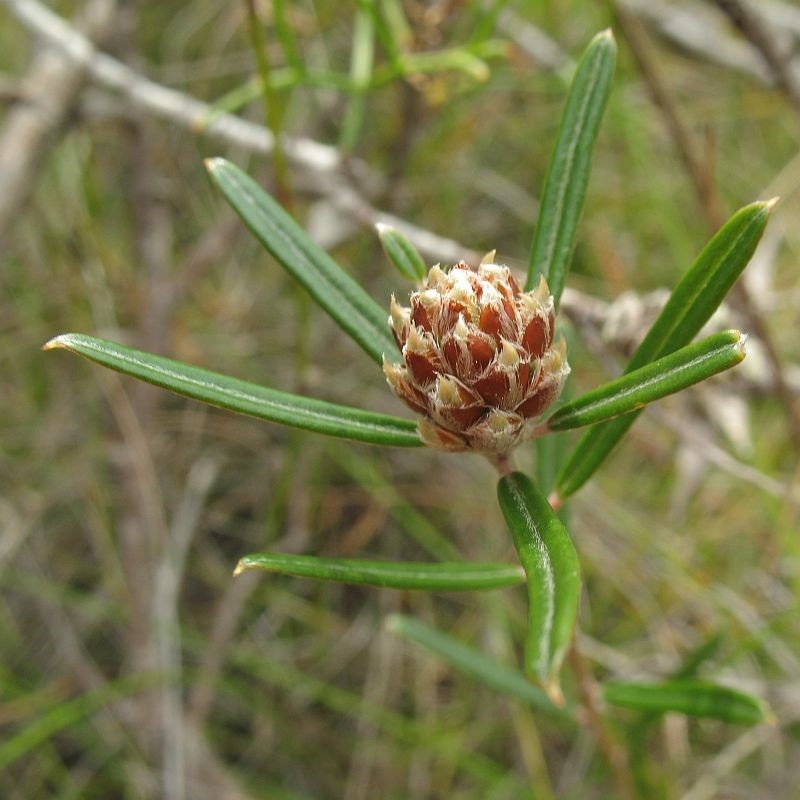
272, 110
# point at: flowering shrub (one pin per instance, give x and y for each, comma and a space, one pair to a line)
479, 364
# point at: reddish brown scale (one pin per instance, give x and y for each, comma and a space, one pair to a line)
536, 337
481, 351
448, 317
523, 376
448, 440
489, 321
412, 397
545, 394
421, 367
419, 314
493, 388
511, 312
463, 417
467, 396
451, 351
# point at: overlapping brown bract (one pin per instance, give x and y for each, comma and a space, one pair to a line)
478, 358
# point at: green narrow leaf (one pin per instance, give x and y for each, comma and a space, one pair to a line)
246, 398
689, 307
331, 287
402, 253
568, 173
659, 378
693, 697
437, 576
553, 574
475, 664
708, 281
686, 671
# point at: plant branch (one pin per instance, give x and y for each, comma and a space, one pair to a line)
757, 32
702, 181
47, 95
614, 754
177, 107
332, 178
698, 35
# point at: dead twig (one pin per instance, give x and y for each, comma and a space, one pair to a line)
757, 31
47, 96
702, 181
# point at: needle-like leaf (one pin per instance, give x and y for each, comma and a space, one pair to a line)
435, 576
553, 574
402, 253
690, 306
693, 697
331, 287
241, 396
659, 378
471, 662
568, 173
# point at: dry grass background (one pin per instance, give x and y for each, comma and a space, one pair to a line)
132, 664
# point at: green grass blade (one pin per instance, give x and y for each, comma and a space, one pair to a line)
690, 306
361, 65
402, 253
331, 287
659, 378
475, 664
568, 173
243, 397
553, 574
436, 576
692, 697
68, 713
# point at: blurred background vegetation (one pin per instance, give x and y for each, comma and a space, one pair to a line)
133, 665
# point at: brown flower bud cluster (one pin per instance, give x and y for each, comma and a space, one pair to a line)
478, 358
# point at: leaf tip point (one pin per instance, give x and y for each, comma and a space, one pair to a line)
61, 341
553, 691
555, 499
214, 163
392, 623
606, 37
742, 344
240, 568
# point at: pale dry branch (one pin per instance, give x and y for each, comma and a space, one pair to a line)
534, 42
759, 32
703, 36
325, 163
710, 784
46, 97
168, 104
